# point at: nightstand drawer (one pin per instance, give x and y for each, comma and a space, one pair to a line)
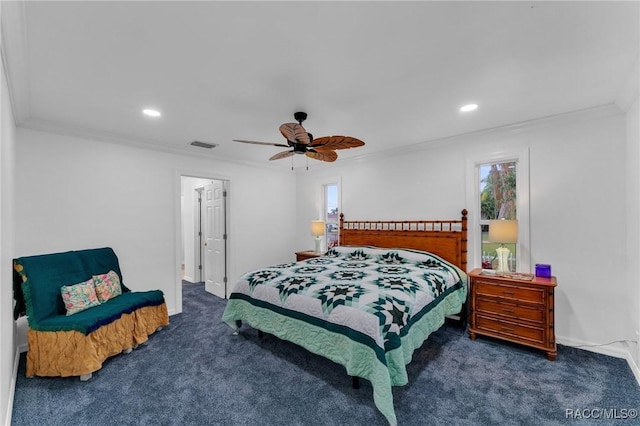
534, 295
493, 306
511, 329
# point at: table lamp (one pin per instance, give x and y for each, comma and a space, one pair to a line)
317, 230
504, 232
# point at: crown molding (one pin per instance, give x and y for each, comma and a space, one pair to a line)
150, 145
591, 113
13, 49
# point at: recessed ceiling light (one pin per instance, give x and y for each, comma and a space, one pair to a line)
151, 112
469, 107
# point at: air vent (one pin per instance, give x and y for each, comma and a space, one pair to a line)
203, 144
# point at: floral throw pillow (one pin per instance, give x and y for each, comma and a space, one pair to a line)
107, 286
79, 297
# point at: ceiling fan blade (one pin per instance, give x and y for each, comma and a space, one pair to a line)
283, 154
294, 132
336, 142
329, 156
261, 143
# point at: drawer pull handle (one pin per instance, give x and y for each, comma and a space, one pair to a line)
510, 293
510, 311
507, 329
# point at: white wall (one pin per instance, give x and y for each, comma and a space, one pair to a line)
7, 179
577, 194
632, 221
74, 193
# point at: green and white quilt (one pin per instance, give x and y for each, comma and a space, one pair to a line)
365, 308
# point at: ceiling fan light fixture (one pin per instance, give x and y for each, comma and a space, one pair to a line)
468, 108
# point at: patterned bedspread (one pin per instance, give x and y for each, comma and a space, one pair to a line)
363, 307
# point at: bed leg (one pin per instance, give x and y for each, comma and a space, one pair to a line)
238, 326
355, 382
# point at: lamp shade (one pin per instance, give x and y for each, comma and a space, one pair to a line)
503, 231
317, 228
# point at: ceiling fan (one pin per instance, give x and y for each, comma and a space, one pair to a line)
301, 142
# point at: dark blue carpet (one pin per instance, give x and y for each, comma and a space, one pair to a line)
195, 372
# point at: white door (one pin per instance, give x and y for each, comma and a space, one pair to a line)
214, 238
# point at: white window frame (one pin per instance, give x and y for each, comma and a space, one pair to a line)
325, 206
474, 236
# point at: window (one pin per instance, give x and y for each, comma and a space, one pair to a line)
498, 200
498, 187
331, 213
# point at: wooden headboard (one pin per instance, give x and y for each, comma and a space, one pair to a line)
445, 238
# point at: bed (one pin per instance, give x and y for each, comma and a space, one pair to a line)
366, 304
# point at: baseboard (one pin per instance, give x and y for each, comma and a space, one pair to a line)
12, 389
612, 349
634, 367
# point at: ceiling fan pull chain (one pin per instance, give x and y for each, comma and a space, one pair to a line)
307, 162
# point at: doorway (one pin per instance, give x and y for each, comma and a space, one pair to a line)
204, 218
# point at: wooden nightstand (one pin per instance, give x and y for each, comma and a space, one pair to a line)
520, 311
304, 255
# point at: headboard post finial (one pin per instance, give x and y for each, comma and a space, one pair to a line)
463, 253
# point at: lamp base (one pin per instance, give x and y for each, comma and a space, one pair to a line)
503, 260
318, 245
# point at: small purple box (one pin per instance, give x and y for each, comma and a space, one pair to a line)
543, 270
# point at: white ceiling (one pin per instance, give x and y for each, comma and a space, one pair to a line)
390, 73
